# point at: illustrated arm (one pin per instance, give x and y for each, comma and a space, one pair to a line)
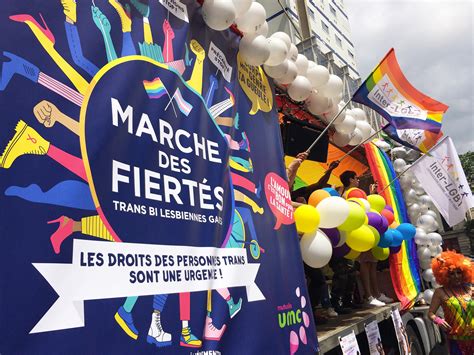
103, 24
48, 114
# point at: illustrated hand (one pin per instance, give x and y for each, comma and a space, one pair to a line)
100, 20
167, 30
143, 9
46, 113
197, 49
69, 9
124, 14
333, 165
302, 156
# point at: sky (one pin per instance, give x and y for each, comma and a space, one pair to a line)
434, 45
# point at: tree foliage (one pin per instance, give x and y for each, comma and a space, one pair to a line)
467, 162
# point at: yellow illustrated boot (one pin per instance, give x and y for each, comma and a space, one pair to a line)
25, 141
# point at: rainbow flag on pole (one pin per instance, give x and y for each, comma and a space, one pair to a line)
404, 264
413, 138
388, 92
155, 88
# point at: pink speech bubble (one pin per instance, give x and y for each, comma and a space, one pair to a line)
279, 199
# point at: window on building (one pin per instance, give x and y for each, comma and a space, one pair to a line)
350, 54
325, 27
338, 41
333, 11
311, 14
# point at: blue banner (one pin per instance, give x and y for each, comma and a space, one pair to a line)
144, 199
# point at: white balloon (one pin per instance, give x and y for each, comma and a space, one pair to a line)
359, 114
364, 128
218, 14
432, 213
318, 75
410, 195
250, 21
333, 87
300, 88
293, 53
426, 200
316, 249
399, 152
414, 209
428, 295
284, 37
333, 211
426, 222
347, 125
317, 104
241, 6
254, 49
302, 64
356, 137
342, 238
263, 30
421, 237
341, 139
428, 275
423, 252
412, 155
399, 165
278, 51
436, 238
311, 64
425, 263
331, 112
276, 71
290, 75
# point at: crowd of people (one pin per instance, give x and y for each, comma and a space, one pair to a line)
453, 271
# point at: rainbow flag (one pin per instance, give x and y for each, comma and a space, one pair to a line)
413, 138
404, 264
388, 92
155, 88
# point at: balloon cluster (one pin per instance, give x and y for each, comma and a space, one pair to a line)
304, 79
347, 227
422, 212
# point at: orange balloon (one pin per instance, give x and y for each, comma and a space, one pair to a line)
388, 215
317, 196
356, 192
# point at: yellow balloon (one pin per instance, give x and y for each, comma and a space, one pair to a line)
355, 218
377, 202
380, 253
306, 219
352, 255
376, 235
361, 239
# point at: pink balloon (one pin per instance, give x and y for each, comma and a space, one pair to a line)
294, 342
305, 319
303, 335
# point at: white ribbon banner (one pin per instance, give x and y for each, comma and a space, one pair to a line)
103, 270
177, 8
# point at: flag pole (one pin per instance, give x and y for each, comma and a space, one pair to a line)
358, 145
412, 165
327, 127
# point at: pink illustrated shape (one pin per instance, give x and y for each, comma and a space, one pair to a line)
279, 199
305, 319
303, 335
294, 342
303, 301
297, 292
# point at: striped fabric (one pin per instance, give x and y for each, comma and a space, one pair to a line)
184, 106
60, 89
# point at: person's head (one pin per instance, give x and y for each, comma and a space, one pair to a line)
349, 179
452, 269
